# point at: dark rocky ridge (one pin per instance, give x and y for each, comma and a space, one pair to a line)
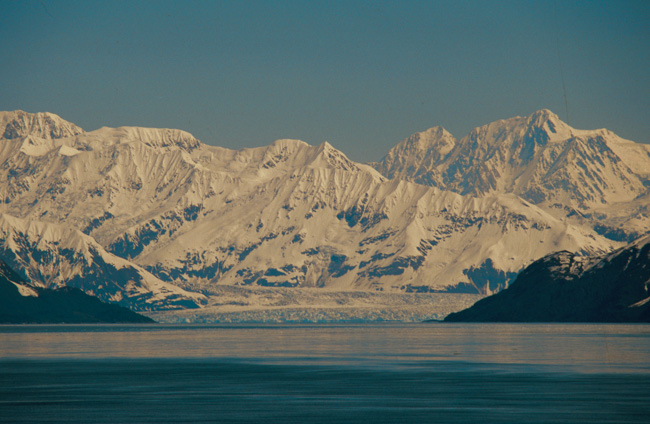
64, 305
562, 288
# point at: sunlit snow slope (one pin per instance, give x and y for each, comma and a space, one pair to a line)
590, 177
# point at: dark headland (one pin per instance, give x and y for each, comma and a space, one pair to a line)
563, 287
22, 303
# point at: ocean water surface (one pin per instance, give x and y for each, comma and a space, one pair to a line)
325, 373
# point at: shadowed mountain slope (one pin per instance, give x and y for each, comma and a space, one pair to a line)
22, 303
564, 288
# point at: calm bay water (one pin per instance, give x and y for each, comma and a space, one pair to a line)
375, 373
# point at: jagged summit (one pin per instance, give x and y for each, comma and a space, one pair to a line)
50, 127
46, 125
545, 126
434, 157
543, 117
538, 157
589, 176
327, 156
538, 128
434, 137
412, 157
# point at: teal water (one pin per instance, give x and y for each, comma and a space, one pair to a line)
375, 373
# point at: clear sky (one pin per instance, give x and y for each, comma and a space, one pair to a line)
361, 75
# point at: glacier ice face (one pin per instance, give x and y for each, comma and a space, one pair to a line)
266, 305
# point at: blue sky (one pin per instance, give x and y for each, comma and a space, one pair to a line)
361, 75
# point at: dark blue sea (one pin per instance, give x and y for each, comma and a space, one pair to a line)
321, 373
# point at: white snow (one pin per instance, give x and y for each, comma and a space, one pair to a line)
18, 124
53, 255
640, 303
68, 151
25, 291
635, 155
581, 176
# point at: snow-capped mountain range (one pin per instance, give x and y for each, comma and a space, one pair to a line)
153, 218
53, 255
594, 177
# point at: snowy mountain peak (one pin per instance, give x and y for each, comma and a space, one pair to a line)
289, 143
152, 137
542, 117
539, 128
428, 138
436, 137
548, 122
325, 148
45, 125
543, 160
417, 153
439, 131
328, 156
